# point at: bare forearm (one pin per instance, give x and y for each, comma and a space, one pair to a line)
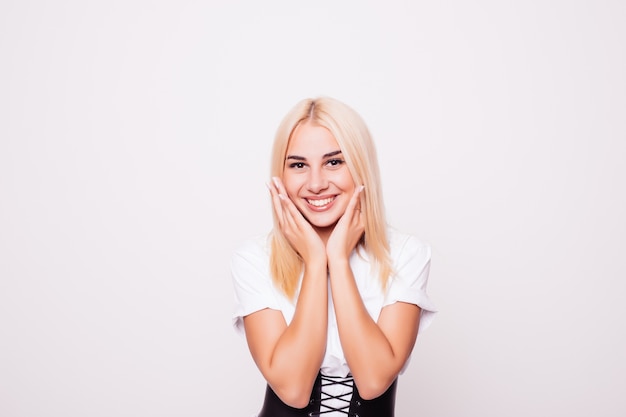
370, 356
298, 354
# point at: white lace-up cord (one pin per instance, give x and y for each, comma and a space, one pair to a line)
328, 381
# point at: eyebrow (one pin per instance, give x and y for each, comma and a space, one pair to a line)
302, 158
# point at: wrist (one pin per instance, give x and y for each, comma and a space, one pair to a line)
314, 254
338, 261
316, 264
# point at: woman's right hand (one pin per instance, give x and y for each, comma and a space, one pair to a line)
294, 226
289, 355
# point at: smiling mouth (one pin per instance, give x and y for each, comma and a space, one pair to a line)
320, 203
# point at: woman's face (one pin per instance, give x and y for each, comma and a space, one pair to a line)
316, 176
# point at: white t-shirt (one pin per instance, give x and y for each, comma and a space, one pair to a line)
254, 289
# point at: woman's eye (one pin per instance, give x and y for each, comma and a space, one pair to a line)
297, 165
335, 162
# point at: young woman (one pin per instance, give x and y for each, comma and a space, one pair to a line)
332, 301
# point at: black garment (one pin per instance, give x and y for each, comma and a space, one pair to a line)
382, 406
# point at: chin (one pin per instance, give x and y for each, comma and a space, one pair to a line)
320, 223
322, 220
324, 225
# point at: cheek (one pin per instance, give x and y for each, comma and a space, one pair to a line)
290, 184
346, 181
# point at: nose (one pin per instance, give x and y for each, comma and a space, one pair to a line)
317, 181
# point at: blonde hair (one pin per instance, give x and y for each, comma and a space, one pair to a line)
355, 142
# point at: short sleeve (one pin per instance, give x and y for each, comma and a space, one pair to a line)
252, 282
408, 284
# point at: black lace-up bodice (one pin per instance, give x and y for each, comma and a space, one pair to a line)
332, 397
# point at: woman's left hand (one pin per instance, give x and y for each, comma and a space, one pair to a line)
348, 230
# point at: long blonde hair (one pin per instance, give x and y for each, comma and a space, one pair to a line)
358, 149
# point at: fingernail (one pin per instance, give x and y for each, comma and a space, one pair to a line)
276, 182
267, 184
361, 188
282, 196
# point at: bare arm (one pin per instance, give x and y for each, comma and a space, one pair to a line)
375, 352
290, 356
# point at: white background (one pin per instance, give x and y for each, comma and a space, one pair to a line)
134, 147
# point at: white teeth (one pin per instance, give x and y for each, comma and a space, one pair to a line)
320, 203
